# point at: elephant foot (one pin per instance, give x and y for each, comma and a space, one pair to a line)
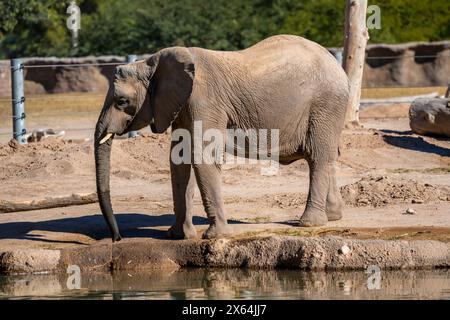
182, 232
334, 216
334, 212
216, 231
313, 218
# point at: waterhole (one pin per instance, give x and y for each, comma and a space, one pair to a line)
229, 284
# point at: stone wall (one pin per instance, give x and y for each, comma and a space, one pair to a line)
412, 64
60, 75
409, 64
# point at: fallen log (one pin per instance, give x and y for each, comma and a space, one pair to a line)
398, 100
430, 116
75, 199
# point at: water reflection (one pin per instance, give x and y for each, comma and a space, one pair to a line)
232, 284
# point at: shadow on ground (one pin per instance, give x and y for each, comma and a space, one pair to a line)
416, 144
132, 225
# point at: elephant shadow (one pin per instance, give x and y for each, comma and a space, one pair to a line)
132, 225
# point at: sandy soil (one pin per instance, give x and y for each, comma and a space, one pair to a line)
383, 170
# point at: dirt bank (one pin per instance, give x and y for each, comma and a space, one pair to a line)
305, 253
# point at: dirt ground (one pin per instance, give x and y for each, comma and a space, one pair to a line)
383, 170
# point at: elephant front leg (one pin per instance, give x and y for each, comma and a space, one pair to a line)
319, 182
209, 183
183, 201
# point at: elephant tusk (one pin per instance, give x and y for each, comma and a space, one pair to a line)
106, 138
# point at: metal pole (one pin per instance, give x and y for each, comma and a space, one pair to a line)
18, 101
132, 58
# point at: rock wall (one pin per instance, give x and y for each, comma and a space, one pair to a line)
60, 75
412, 64
409, 64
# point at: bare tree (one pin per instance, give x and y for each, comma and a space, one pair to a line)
355, 41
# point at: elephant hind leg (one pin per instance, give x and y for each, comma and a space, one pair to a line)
319, 181
334, 200
324, 202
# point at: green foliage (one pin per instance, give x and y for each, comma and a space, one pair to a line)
412, 20
321, 20
38, 27
33, 28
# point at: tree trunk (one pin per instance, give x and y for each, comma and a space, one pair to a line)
55, 202
430, 116
356, 36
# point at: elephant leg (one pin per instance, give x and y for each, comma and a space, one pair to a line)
334, 199
319, 184
183, 200
209, 183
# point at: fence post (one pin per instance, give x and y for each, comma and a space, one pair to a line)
18, 101
132, 58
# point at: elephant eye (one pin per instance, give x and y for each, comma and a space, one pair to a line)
122, 102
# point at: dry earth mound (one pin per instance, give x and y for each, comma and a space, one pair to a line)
57, 157
379, 191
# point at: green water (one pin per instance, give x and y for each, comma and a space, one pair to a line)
230, 284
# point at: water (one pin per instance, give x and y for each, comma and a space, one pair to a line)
230, 284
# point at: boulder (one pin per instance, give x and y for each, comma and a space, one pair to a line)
430, 116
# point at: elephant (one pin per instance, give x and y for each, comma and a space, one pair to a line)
283, 82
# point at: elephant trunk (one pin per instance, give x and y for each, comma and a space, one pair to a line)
102, 171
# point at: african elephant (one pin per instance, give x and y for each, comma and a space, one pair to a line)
284, 82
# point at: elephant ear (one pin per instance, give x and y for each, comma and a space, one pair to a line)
171, 85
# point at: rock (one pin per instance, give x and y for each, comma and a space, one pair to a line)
344, 250
399, 68
33, 88
29, 261
363, 201
61, 77
5, 79
417, 201
410, 211
85, 79
430, 116
41, 134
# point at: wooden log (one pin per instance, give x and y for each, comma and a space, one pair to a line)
398, 100
51, 202
430, 116
355, 41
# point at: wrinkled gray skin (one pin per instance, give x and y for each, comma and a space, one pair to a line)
284, 82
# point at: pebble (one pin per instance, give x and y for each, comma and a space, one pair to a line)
410, 211
344, 250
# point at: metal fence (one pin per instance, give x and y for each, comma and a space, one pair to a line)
18, 99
